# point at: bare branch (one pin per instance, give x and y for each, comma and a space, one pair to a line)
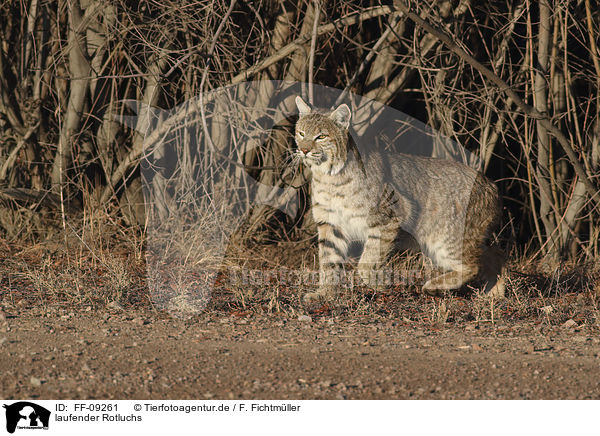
311, 58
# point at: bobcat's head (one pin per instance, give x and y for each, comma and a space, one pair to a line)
322, 138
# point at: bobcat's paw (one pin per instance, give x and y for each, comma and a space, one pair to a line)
324, 293
496, 290
434, 292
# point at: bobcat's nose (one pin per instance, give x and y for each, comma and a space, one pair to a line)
304, 149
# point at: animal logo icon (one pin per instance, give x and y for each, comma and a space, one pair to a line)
24, 414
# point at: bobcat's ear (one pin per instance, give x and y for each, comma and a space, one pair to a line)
302, 106
342, 115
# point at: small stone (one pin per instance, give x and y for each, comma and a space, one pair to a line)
569, 324
304, 318
35, 381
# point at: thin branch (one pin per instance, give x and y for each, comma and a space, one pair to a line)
593, 48
311, 58
12, 157
30, 37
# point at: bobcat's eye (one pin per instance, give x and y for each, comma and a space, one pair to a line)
300, 134
320, 137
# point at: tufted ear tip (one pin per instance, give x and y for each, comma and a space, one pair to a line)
303, 107
342, 115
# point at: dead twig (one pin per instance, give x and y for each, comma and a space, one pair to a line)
311, 58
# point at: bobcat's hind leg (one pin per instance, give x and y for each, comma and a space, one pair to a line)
486, 270
492, 262
450, 280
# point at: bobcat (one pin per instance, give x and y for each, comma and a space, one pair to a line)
443, 207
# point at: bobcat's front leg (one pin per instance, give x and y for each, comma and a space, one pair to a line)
333, 249
379, 243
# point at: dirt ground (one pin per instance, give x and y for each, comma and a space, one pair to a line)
73, 328
55, 353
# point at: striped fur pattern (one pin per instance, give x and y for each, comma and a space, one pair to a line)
443, 207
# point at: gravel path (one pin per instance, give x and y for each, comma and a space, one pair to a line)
139, 355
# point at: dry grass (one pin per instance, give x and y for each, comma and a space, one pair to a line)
97, 260
94, 262
569, 292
